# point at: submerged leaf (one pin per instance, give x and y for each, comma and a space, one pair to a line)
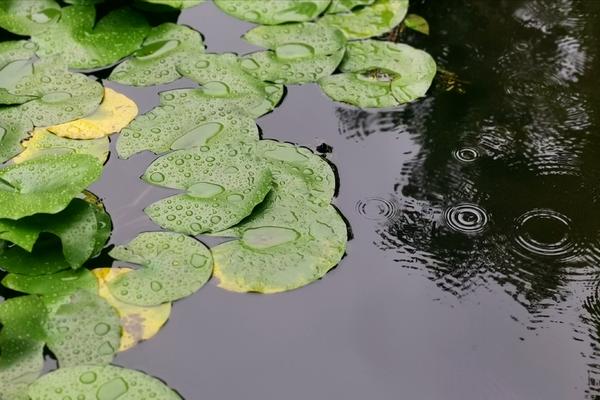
175, 266
339, 6
284, 245
221, 76
58, 284
381, 74
273, 12
28, 17
115, 112
43, 143
82, 329
21, 345
417, 23
86, 44
184, 119
138, 322
156, 62
372, 20
222, 185
45, 185
108, 382
300, 53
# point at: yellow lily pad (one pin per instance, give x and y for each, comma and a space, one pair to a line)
139, 323
114, 113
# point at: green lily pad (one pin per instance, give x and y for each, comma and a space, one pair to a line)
373, 20
21, 345
273, 12
43, 143
156, 62
340, 6
28, 17
222, 185
417, 23
83, 329
176, 4
45, 258
300, 53
45, 185
221, 76
174, 266
13, 130
184, 119
58, 284
14, 64
381, 74
58, 95
103, 383
86, 44
284, 245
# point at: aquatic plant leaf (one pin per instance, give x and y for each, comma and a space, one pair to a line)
21, 345
115, 112
13, 130
82, 329
221, 76
177, 4
138, 322
28, 17
184, 119
45, 258
43, 143
284, 245
174, 266
108, 382
298, 172
58, 95
156, 62
417, 23
299, 53
380, 74
86, 44
58, 284
222, 185
273, 12
372, 20
76, 226
45, 185
14, 64
340, 6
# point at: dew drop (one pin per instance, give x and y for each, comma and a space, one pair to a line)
198, 136
292, 51
215, 88
101, 329
205, 190
112, 390
156, 286
157, 177
268, 236
88, 378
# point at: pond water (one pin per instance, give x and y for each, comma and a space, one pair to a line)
473, 270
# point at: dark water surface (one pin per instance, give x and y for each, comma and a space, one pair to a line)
474, 268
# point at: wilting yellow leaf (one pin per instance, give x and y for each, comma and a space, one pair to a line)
139, 323
115, 112
43, 143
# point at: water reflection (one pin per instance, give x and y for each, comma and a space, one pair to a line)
504, 190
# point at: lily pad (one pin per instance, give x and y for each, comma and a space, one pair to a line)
380, 74
184, 119
222, 185
82, 329
156, 62
14, 64
115, 112
45, 185
13, 130
57, 95
284, 245
174, 266
273, 12
177, 4
221, 76
138, 323
45, 258
21, 345
43, 143
340, 6
108, 382
86, 44
372, 20
300, 53
60, 283
28, 17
